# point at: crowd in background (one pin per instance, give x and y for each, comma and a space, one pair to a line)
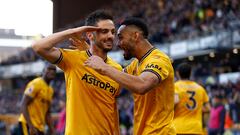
170, 20
173, 20
229, 93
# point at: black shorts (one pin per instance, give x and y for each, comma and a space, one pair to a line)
24, 129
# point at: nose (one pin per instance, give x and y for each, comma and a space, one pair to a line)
110, 35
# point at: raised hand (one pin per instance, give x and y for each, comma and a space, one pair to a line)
79, 31
79, 44
78, 38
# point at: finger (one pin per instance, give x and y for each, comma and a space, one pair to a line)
72, 47
92, 28
86, 64
87, 29
75, 39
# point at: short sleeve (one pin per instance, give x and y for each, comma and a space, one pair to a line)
63, 61
178, 91
160, 67
32, 90
205, 96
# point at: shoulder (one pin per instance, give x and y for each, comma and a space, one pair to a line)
113, 63
160, 55
37, 80
70, 51
72, 55
200, 87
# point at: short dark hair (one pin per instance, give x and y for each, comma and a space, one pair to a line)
184, 70
93, 18
139, 23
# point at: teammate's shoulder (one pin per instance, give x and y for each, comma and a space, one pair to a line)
70, 50
178, 82
134, 61
35, 81
160, 54
113, 63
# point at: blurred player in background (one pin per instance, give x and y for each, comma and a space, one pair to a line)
150, 77
191, 100
91, 97
36, 104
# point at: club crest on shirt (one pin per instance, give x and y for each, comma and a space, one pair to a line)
29, 90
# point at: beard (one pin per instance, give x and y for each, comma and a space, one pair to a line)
106, 48
127, 56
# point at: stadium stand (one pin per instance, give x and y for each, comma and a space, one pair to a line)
172, 22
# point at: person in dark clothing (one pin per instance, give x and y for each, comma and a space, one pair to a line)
217, 116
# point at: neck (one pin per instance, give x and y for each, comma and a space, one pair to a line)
185, 79
46, 80
142, 48
95, 50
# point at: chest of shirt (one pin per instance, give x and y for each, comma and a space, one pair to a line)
45, 95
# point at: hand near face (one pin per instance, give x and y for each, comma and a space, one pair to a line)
78, 39
96, 63
79, 44
79, 31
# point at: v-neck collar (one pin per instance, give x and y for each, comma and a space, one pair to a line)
146, 54
90, 54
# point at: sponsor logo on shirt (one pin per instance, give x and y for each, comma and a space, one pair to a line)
153, 66
103, 85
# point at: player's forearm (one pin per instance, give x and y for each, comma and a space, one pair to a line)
26, 114
133, 83
47, 43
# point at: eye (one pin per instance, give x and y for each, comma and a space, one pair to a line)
104, 31
113, 32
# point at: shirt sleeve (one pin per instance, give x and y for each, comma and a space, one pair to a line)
159, 67
205, 96
32, 90
64, 61
177, 91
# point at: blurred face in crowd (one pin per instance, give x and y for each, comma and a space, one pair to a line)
126, 41
104, 37
50, 72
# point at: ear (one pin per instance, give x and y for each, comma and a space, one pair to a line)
136, 36
89, 35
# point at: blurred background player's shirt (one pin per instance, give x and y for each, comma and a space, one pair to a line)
153, 111
42, 94
188, 112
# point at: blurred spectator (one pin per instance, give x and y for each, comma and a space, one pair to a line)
170, 20
217, 116
60, 128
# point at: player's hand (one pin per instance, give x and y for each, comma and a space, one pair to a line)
33, 130
79, 31
79, 44
96, 63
